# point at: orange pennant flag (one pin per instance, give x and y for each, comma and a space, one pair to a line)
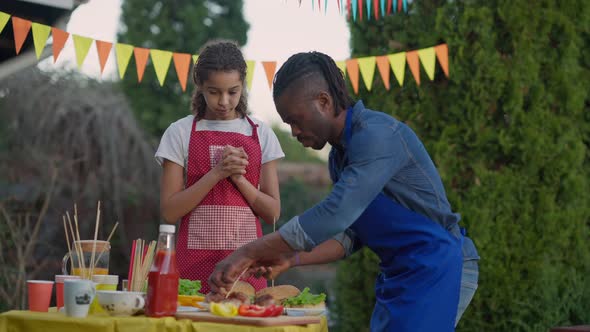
182, 63
21, 29
104, 49
141, 57
352, 67
442, 53
383, 66
269, 68
414, 64
59, 40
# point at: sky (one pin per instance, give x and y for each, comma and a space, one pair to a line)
278, 29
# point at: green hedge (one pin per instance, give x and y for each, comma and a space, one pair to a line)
509, 132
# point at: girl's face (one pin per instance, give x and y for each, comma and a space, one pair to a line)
222, 92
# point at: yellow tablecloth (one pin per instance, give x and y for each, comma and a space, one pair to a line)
27, 321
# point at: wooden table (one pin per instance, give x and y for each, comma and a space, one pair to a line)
27, 321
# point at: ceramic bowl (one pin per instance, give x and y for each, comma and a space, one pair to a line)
120, 303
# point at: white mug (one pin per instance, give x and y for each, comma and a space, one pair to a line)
78, 294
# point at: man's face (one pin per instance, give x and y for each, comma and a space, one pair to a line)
309, 118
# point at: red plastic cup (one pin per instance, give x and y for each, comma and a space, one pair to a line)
59, 288
39, 294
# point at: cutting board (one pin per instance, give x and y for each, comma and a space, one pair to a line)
255, 321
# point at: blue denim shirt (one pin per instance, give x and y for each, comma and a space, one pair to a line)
383, 155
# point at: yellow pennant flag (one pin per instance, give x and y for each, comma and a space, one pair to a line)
367, 67
250, 73
342, 66
40, 35
398, 66
123, 52
82, 46
3, 20
161, 60
195, 58
428, 59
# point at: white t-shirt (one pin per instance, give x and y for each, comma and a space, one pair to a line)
174, 142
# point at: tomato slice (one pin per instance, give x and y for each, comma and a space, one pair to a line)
252, 311
274, 310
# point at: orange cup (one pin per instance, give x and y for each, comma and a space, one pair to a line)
39, 294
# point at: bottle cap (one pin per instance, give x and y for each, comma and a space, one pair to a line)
167, 228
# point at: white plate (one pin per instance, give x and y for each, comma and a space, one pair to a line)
204, 305
305, 311
184, 308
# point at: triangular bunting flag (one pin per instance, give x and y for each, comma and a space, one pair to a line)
250, 73
195, 58
398, 66
104, 50
367, 67
382, 4
3, 20
342, 66
269, 69
339, 2
376, 7
414, 64
21, 31
427, 57
182, 63
40, 35
369, 9
123, 53
141, 57
326, 6
352, 67
389, 4
442, 53
354, 9
59, 40
161, 60
383, 66
82, 46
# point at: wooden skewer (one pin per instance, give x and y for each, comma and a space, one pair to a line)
235, 282
76, 244
105, 247
96, 225
274, 228
69, 247
83, 271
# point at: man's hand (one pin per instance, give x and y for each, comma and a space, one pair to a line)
273, 269
228, 270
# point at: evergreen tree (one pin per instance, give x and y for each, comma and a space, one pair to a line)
509, 132
178, 26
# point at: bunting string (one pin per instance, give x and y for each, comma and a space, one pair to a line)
354, 69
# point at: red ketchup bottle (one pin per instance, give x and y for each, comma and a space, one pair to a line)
162, 293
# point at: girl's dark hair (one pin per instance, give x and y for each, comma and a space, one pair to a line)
306, 65
218, 55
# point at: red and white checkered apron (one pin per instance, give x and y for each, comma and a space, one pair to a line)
223, 221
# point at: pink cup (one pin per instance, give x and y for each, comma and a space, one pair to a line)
39, 294
59, 288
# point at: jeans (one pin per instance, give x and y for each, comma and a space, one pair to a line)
469, 279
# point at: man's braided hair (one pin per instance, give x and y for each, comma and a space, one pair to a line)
309, 64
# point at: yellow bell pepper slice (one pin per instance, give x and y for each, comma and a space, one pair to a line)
223, 309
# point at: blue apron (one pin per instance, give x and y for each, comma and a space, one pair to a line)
419, 284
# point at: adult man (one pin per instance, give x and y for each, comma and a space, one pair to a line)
387, 195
